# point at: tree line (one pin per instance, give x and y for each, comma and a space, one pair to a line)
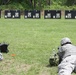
38, 3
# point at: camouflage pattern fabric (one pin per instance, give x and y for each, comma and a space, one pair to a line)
54, 60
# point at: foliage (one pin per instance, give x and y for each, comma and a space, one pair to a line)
37, 4
70, 2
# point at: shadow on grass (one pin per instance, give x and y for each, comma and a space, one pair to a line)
51, 65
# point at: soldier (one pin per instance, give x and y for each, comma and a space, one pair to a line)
67, 55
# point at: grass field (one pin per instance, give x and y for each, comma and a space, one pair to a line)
31, 42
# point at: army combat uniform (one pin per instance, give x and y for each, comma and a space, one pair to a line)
67, 52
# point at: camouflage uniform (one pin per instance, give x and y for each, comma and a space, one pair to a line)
67, 53
1, 56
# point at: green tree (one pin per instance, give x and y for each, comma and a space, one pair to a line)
70, 2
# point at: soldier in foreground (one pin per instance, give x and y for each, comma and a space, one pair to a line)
67, 56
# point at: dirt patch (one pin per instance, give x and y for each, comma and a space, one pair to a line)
44, 72
6, 64
23, 67
13, 67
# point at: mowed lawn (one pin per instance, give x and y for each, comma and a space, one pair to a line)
31, 42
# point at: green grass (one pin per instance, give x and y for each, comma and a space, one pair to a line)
32, 41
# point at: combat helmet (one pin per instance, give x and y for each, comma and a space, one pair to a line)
65, 40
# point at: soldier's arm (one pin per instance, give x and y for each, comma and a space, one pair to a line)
60, 54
